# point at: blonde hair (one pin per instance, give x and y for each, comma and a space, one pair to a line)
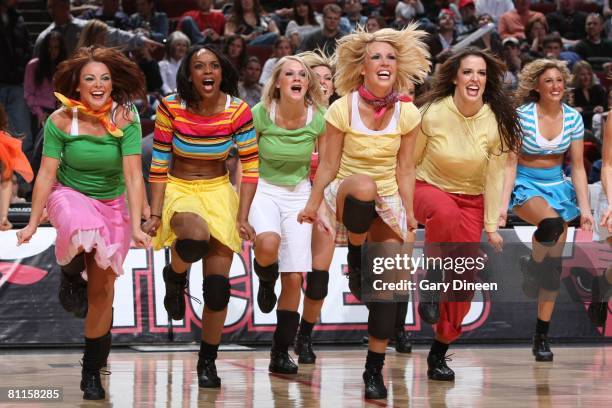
411, 52
318, 58
581, 66
530, 74
271, 93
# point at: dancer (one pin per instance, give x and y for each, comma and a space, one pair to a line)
91, 155
288, 122
468, 125
323, 238
194, 209
536, 190
600, 289
367, 171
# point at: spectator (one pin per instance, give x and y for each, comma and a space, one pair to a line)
248, 21
536, 30
150, 68
325, 38
490, 41
512, 59
282, 48
588, 97
553, 46
469, 22
442, 40
593, 46
407, 11
607, 15
353, 16
109, 13
151, 23
512, 23
15, 52
375, 23
176, 49
494, 8
203, 25
249, 89
599, 120
70, 28
94, 33
37, 85
235, 50
567, 21
304, 22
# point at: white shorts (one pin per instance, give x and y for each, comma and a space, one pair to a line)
275, 209
600, 233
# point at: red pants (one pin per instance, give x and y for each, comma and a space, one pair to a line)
449, 217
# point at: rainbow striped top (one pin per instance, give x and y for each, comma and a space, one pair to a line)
182, 133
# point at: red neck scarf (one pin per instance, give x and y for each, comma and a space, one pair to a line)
102, 114
381, 104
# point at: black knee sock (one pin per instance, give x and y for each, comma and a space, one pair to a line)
96, 352
306, 327
354, 255
174, 276
75, 266
375, 360
286, 326
439, 348
542, 327
400, 315
208, 351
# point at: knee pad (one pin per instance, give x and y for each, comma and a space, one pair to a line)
316, 284
266, 273
358, 215
191, 250
549, 230
216, 292
550, 276
381, 320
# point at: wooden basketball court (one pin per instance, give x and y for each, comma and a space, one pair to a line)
486, 377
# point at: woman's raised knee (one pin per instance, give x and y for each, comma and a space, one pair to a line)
190, 226
266, 248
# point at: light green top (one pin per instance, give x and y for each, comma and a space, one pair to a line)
90, 164
284, 155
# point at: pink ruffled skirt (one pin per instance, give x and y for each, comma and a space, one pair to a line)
88, 223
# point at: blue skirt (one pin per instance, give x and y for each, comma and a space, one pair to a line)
549, 184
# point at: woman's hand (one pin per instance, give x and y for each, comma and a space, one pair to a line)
495, 240
586, 221
245, 230
25, 234
322, 221
308, 214
145, 211
151, 225
5, 225
412, 222
503, 218
141, 239
606, 219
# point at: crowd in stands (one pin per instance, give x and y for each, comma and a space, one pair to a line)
254, 34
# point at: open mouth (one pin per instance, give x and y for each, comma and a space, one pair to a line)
324, 89
297, 89
97, 95
472, 90
208, 84
384, 75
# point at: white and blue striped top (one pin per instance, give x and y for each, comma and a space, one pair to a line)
535, 144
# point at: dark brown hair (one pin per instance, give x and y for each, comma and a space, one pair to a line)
128, 79
4, 124
494, 94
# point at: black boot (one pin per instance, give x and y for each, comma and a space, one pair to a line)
303, 348
96, 354
402, 342
437, 368
353, 261
429, 302
541, 348
374, 383
531, 276
598, 309
207, 370
281, 362
174, 300
266, 298
73, 288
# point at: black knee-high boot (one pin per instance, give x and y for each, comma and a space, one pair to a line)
402, 339
94, 358
72, 291
286, 328
207, 369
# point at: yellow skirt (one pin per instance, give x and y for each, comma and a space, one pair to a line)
214, 200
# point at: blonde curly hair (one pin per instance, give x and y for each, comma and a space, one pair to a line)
530, 74
411, 52
270, 93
